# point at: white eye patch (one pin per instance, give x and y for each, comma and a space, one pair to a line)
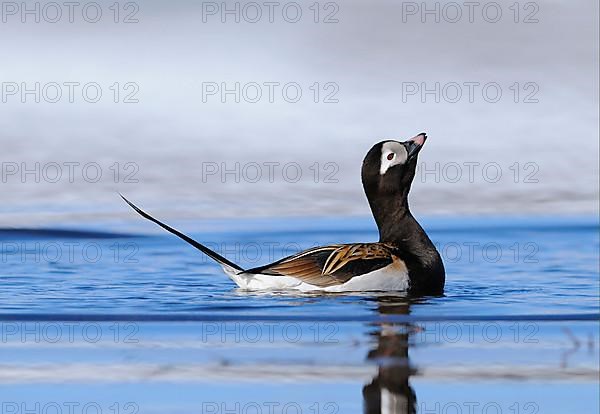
392, 153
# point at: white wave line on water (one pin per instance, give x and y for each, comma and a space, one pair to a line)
118, 373
548, 344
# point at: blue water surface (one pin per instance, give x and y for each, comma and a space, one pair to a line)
494, 267
138, 321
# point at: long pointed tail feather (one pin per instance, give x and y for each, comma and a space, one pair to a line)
213, 255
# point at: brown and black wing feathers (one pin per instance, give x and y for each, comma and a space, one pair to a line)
331, 265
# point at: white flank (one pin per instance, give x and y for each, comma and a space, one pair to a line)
389, 278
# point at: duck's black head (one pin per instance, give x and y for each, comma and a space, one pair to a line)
387, 173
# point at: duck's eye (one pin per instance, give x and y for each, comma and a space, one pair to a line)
390, 156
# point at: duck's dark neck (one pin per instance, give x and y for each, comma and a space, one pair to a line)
397, 226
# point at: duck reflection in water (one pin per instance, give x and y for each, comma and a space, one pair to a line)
390, 390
